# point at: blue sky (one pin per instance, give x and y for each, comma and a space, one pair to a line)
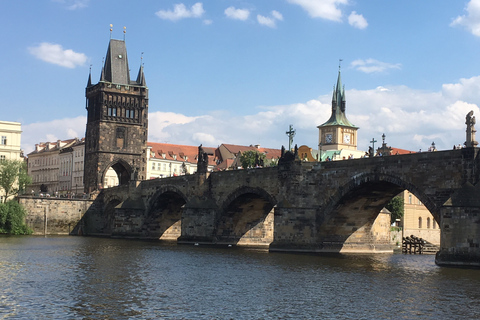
231, 71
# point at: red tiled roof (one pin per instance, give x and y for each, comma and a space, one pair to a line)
269, 153
396, 151
180, 152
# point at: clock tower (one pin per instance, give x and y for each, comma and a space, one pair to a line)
117, 121
338, 133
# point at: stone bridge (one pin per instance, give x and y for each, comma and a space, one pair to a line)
300, 206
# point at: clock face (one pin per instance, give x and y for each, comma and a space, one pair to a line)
346, 138
328, 138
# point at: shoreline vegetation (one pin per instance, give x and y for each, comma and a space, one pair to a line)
12, 219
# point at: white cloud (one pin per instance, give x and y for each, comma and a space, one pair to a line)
372, 65
324, 9
357, 20
51, 131
411, 119
471, 21
277, 15
180, 11
207, 22
54, 53
237, 14
73, 4
266, 21
270, 22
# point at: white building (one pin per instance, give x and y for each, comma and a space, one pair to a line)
169, 160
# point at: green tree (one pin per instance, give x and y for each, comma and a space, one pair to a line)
13, 177
395, 206
252, 158
12, 218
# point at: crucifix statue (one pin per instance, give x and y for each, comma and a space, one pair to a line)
291, 134
372, 152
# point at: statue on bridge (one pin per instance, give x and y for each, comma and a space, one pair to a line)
470, 122
202, 160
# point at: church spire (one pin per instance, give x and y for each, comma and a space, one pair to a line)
338, 116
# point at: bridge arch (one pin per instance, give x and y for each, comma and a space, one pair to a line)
122, 169
246, 218
164, 214
347, 221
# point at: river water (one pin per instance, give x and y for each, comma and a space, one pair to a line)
97, 278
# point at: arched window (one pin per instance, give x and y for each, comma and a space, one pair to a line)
409, 199
419, 222
428, 223
434, 224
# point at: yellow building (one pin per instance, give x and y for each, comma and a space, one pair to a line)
418, 221
10, 136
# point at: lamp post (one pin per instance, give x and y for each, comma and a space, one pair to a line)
433, 146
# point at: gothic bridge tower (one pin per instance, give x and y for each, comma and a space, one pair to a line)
117, 121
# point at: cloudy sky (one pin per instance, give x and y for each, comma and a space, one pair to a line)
240, 72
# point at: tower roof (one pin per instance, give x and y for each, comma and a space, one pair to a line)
116, 63
338, 117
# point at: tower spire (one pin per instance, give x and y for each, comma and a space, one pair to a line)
89, 82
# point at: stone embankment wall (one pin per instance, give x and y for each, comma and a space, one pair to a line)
55, 216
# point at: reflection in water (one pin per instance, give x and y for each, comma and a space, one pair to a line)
94, 278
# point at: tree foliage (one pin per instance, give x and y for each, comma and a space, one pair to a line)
13, 177
252, 159
396, 207
12, 218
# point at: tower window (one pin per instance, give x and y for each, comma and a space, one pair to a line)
120, 139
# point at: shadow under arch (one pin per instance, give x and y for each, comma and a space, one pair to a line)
121, 168
164, 214
109, 213
347, 222
246, 218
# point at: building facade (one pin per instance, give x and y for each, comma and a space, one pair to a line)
117, 122
56, 168
10, 139
418, 221
170, 160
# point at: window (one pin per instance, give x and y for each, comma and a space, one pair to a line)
4, 140
120, 143
409, 199
420, 223
153, 166
114, 112
434, 224
109, 112
2, 157
428, 223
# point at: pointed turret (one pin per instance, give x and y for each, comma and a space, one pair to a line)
89, 82
141, 77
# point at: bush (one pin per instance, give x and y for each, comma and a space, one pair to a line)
12, 218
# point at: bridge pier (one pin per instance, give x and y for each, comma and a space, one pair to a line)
198, 221
460, 225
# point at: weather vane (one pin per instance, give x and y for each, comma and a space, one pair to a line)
339, 64
124, 31
111, 29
